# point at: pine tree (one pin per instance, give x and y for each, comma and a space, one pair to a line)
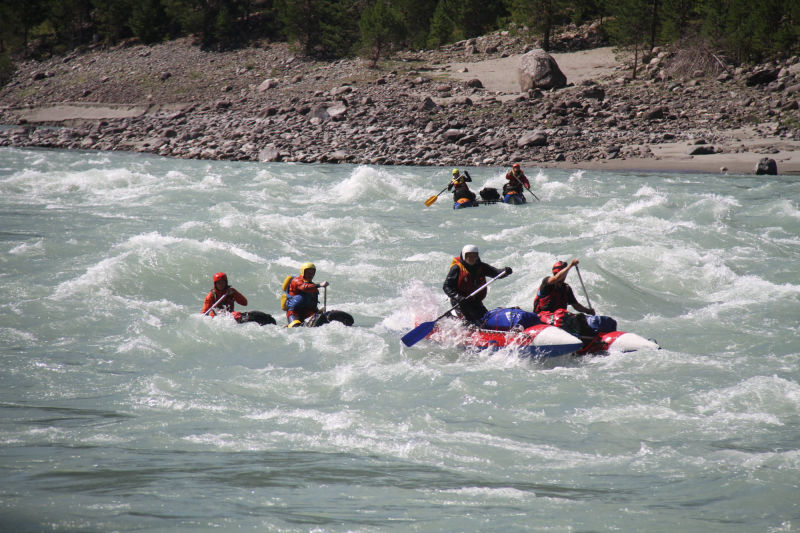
632, 26
381, 28
540, 15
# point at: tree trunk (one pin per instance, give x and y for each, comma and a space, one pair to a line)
654, 25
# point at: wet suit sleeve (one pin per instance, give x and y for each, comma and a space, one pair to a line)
208, 302
238, 297
450, 286
490, 271
577, 305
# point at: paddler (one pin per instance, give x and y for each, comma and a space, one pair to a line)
516, 180
553, 297
458, 184
467, 273
222, 297
302, 295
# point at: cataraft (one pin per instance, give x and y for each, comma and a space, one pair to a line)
527, 332
524, 332
490, 195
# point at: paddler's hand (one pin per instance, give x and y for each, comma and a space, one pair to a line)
591, 312
506, 272
323, 284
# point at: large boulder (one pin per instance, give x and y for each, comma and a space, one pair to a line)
766, 166
538, 70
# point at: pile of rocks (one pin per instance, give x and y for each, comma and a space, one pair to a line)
265, 104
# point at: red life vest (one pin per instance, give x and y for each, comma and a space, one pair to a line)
226, 303
557, 299
466, 285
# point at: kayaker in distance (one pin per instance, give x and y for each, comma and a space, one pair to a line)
516, 180
302, 295
553, 297
468, 273
215, 297
461, 192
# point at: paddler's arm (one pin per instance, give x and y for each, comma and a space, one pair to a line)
451, 283
208, 302
577, 305
238, 297
562, 274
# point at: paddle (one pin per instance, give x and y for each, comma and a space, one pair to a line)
324, 298
215, 304
430, 201
578, 270
529, 189
423, 330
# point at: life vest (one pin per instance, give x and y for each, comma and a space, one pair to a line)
557, 299
466, 285
285, 295
296, 299
226, 303
462, 191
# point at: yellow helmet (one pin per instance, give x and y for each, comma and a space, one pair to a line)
306, 266
455, 171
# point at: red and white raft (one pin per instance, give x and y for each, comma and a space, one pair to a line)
544, 341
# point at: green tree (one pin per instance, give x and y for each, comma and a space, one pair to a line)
339, 28
19, 17
147, 21
71, 20
416, 15
678, 19
321, 28
300, 20
632, 26
477, 17
540, 15
443, 25
111, 19
381, 28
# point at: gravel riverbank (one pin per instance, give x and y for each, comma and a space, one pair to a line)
458, 105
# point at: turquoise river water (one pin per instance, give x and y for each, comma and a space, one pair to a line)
122, 409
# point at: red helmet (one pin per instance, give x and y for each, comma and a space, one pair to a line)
220, 275
558, 266
515, 166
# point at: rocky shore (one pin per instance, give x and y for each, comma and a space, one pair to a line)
266, 104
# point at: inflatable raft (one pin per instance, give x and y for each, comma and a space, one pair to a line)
537, 342
523, 331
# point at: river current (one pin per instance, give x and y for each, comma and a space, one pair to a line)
122, 409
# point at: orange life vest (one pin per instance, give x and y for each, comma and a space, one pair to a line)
466, 284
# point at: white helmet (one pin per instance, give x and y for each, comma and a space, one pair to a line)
469, 248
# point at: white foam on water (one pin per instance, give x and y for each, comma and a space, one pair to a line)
106, 287
35, 248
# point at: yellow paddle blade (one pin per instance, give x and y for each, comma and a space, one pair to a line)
429, 202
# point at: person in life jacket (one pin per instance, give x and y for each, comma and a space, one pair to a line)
219, 289
516, 180
458, 184
302, 295
467, 273
553, 297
